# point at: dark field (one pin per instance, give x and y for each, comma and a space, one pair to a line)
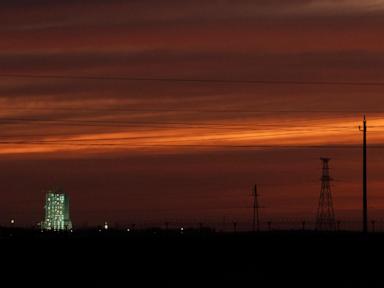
200, 258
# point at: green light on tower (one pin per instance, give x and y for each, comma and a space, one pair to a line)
56, 211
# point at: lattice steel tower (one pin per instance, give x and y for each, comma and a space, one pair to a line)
325, 219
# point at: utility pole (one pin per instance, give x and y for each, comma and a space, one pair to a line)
256, 218
365, 205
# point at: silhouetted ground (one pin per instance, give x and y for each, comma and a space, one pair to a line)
200, 258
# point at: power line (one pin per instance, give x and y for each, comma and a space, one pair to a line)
183, 110
192, 80
146, 124
249, 146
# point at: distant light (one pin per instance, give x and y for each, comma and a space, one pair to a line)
71, 230
128, 230
106, 226
12, 221
182, 229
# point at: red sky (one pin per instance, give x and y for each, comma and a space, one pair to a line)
155, 151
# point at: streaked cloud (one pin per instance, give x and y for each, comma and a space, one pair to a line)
69, 126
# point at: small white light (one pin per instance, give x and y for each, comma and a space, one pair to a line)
128, 230
182, 229
12, 221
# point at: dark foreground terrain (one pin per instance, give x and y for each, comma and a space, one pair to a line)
156, 258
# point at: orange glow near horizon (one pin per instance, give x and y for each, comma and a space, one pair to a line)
179, 139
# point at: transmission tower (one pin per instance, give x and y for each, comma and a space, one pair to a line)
325, 220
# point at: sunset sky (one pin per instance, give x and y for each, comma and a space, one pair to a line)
150, 111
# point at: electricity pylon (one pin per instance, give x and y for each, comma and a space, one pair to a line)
325, 219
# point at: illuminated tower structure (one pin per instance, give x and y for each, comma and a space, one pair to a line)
56, 211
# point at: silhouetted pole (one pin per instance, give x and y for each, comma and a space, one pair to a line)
365, 206
256, 219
